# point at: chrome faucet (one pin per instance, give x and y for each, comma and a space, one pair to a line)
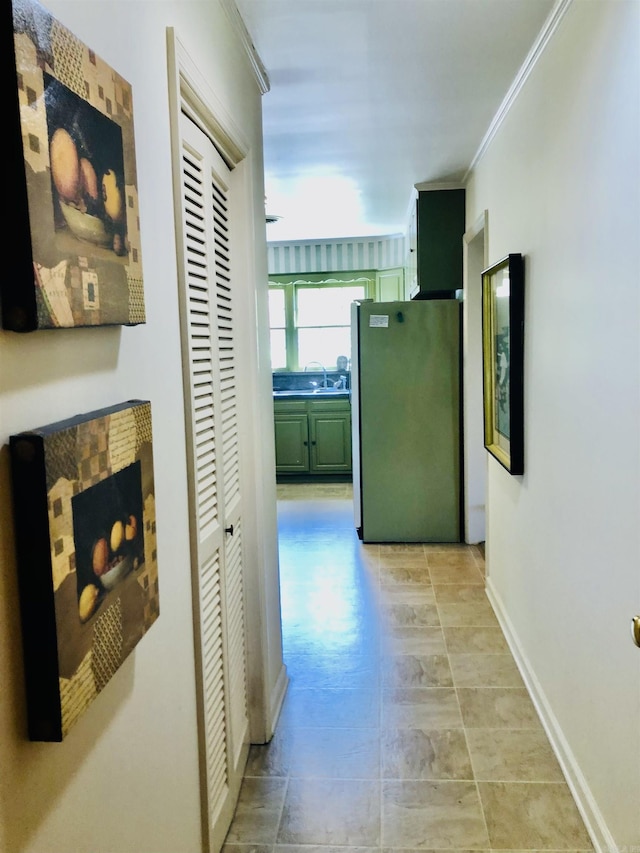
322, 368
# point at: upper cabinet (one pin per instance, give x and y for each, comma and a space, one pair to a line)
390, 285
435, 242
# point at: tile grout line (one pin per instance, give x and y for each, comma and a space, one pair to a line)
464, 727
381, 828
284, 800
398, 647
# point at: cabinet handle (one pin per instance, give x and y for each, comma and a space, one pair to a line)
313, 442
229, 530
306, 443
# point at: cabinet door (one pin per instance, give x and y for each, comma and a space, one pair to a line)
292, 443
389, 285
330, 435
441, 223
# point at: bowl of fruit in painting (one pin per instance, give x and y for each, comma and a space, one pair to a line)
85, 226
114, 556
92, 206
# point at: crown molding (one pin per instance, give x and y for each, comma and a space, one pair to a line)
259, 70
550, 26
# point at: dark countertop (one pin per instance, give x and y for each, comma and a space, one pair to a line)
312, 394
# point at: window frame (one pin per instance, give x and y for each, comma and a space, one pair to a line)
292, 283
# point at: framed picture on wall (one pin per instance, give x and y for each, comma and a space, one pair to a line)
85, 522
503, 361
73, 223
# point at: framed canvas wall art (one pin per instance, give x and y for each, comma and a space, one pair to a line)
85, 522
73, 226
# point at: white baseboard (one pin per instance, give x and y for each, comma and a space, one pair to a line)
277, 697
594, 822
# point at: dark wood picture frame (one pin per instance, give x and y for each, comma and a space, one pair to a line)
503, 361
74, 225
85, 523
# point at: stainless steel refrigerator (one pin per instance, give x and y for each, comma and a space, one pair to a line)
406, 433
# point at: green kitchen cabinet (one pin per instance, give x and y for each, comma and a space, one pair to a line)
330, 437
390, 285
292, 442
440, 225
313, 436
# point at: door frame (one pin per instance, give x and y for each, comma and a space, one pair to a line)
475, 253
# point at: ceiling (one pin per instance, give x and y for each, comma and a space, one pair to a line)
370, 97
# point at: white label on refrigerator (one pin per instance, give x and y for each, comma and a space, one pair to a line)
379, 320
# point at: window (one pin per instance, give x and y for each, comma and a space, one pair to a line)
278, 324
311, 320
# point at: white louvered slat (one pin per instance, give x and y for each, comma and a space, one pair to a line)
200, 343
236, 651
226, 351
213, 666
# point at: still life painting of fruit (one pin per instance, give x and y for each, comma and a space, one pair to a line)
85, 526
87, 170
107, 536
76, 232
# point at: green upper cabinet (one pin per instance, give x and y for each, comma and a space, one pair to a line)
390, 285
440, 225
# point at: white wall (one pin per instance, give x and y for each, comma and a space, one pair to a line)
126, 779
561, 184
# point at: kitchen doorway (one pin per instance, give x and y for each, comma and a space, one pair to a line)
475, 457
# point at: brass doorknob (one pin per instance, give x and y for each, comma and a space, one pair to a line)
635, 630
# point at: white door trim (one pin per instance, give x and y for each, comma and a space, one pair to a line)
475, 461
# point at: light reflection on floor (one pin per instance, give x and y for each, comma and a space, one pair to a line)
406, 723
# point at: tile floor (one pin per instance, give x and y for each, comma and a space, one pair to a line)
406, 723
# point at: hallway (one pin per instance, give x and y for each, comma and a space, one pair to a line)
406, 722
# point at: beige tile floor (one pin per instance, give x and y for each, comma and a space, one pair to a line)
406, 724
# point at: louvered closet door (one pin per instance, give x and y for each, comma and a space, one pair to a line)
209, 362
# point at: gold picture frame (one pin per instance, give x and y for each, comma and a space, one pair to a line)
74, 228
503, 361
